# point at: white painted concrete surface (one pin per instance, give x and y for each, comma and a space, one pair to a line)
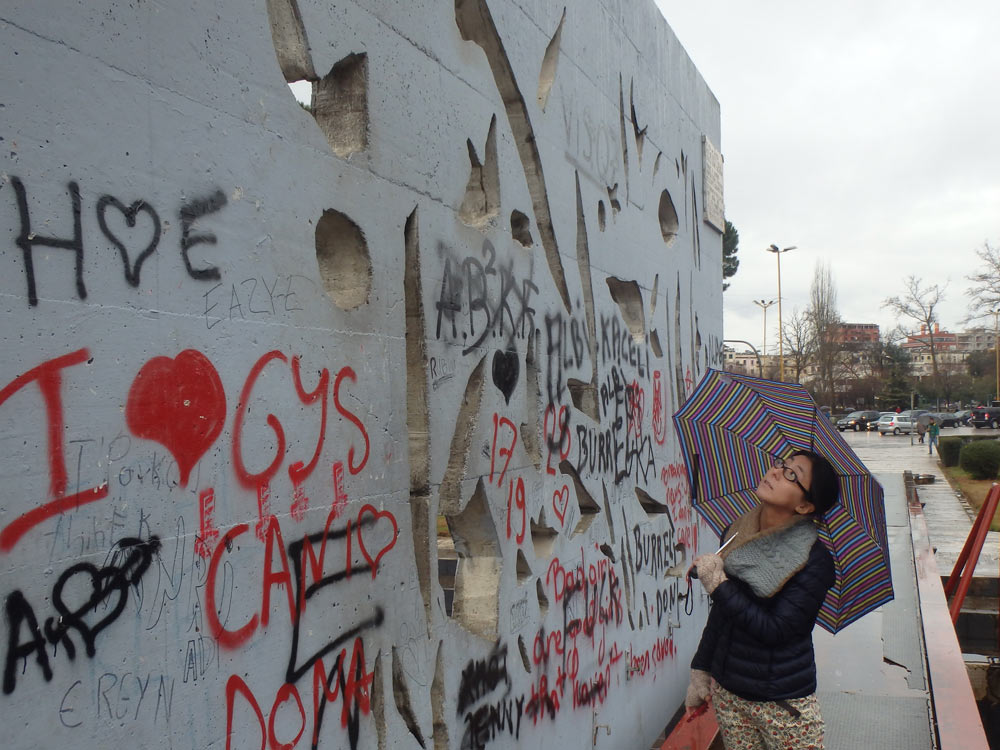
265, 372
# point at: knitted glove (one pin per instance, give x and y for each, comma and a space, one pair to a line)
710, 571
700, 689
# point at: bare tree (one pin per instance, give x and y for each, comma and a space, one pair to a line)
824, 320
984, 294
800, 343
919, 303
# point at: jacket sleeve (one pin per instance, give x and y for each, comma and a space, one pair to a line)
791, 611
709, 637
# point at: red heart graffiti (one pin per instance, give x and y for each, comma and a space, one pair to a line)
560, 499
180, 404
361, 540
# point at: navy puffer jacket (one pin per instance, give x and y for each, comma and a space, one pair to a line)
761, 649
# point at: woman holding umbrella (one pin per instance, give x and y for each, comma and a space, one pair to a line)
755, 659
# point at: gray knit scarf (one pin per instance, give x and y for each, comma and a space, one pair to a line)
767, 559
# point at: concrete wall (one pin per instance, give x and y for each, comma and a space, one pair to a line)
349, 428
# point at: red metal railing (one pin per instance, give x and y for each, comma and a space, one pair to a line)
961, 575
695, 731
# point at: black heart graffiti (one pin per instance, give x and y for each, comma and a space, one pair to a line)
130, 213
506, 369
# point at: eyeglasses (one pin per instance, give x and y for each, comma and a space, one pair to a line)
788, 473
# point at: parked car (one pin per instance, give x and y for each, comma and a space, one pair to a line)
986, 416
895, 423
963, 416
873, 425
946, 419
857, 420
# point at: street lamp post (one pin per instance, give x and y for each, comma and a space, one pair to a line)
996, 347
763, 305
781, 339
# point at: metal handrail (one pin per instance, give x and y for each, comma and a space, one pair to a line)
961, 575
760, 366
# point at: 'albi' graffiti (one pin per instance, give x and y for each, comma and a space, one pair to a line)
188, 213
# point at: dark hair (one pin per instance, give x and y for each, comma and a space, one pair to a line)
825, 488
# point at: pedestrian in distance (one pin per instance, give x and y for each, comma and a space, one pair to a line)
933, 431
755, 660
921, 430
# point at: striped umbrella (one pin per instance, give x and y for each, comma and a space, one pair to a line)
733, 427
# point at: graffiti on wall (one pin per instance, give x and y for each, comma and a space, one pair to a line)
262, 519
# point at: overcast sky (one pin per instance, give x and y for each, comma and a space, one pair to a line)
866, 133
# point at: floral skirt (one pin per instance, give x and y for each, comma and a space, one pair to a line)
794, 724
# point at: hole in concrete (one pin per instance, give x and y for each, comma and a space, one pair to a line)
649, 505
401, 694
417, 414
626, 555
543, 539
345, 268
602, 216
584, 395
543, 601
607, 512
550, 61
622, 131
524, 654
520, 228
588, 507
447, 563
461, 441
613, 201
697, 346
608, 552
640, 135
530, 429
678, 345
288, 35
340, 105
656, 163
695, 235
475, 23
654, 336
523, 569
477, 581
378, 699
481, 203
302, 91
680, 568
438, 703
668, 218
628, 296
654, 343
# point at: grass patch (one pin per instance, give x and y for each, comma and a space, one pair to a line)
974, 490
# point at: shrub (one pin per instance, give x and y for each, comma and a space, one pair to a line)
949, 449
981, 459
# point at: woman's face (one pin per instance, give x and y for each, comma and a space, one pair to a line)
781, 491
